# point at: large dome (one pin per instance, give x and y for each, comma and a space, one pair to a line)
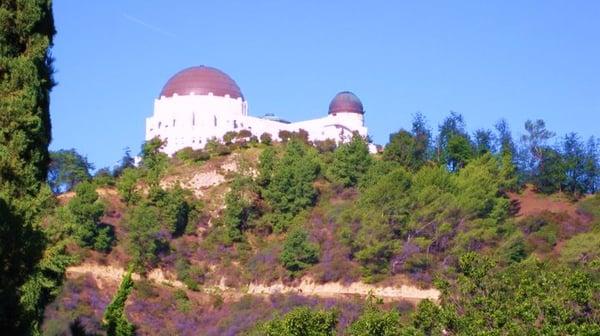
346, 101
201, 80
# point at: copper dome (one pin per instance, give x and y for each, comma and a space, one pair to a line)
346, 101
201, 80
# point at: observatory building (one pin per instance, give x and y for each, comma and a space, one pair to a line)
202, 103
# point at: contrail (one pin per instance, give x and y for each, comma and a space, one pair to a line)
147, 25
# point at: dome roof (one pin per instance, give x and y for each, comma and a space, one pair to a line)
346, 101
201, 80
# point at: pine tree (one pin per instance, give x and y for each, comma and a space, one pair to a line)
115, 321
26, 35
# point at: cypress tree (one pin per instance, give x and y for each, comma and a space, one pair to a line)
26, 32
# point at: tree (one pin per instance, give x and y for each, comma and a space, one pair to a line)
402, 149
26, 36
592, 166
301, 322
174, 208
154, 161
86, 209
115, 322
67, 169
298, 253
290, 188
145, 239
459, 151
237, 210
550, 175
452, 126
484, 142
573, 158
422, 136
521, 299
375, 321
535, 145
127, 161
350, 161
127, 185
504, 140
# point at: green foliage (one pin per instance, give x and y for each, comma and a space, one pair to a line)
67, 169
527, 298
238, 209
154, 161
298, 253
301, 322
458, 152
145, 240
350, 161
403, 149
115, 322
26, 35
581, 249
85, 210
174, 208
376, 321
188, 154
191, 275
550, 175
127, 185
397, 211
290, 187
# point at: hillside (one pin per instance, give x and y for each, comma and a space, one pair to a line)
221, 242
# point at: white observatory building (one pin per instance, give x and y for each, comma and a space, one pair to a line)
202, 103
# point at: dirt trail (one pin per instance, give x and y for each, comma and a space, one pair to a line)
307, 287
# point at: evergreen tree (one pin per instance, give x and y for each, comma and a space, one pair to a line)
350, 161
291, 189
458, 152
453, 125
402, 149
573, 158
26, 34
484, 142
592, 166
115, 321
298, 253
86, 209
422, 136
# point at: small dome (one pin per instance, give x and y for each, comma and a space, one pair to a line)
346, 101
201, 80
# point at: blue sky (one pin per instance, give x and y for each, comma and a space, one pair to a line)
488, 60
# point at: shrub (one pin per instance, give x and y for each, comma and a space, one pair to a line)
188, 154
298, 253
266, 138
301, 321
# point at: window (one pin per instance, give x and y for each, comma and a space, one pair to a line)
173, 122
159, 123
193, 119
235, 124
215, 120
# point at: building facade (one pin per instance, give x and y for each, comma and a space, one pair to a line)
202, 103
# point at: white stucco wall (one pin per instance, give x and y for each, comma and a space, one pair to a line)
190, 121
